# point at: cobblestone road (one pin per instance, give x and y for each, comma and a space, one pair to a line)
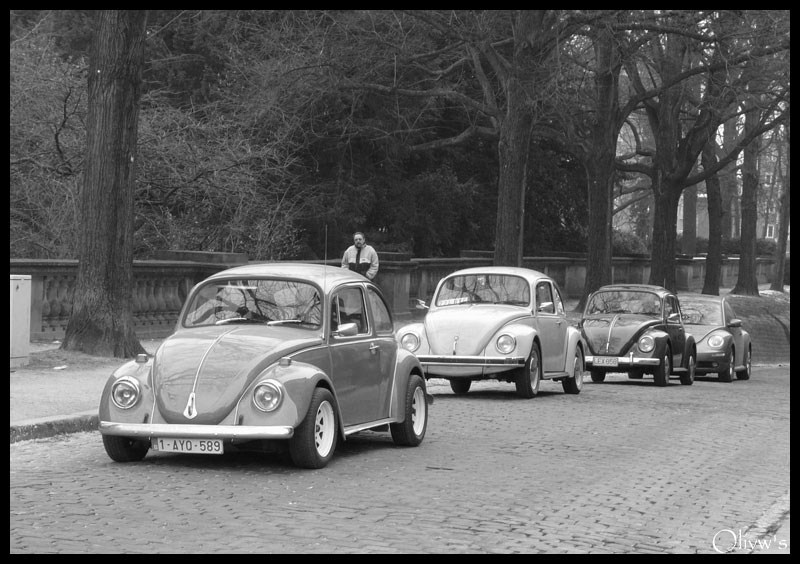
624, 467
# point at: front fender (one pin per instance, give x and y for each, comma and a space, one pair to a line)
407, 364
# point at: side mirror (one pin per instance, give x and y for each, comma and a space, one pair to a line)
674, 317
735, 323
421, 304
546, 307
346, 330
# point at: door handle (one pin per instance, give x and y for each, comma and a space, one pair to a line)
374, 347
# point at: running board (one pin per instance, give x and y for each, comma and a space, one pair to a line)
556, 375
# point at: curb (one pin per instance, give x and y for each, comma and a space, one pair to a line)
52, 426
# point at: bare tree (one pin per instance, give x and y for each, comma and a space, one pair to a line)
101, 321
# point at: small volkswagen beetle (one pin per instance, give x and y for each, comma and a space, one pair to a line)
502, 323
637, 328
723, 346
264, 355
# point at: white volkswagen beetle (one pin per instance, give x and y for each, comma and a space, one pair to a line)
502, 323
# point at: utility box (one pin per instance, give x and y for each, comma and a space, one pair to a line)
20, 319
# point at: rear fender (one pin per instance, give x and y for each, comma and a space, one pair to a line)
407, 364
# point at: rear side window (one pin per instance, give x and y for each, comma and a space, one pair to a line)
383, 319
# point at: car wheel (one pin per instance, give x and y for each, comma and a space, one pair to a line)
635, 374
748, 362
687, 378
664, 369
574, 385
528, 377
314, 439
460, 385
597, 375
125, 449
727, 374
411, 430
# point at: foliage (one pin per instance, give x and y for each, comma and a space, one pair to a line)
627, 243
732, 246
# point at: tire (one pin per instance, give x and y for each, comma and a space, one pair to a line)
748, 365
125, 449
574, 385
664, 369
529, 376
460, 386
687, 378
411, 430
635, 374
727, 375
314, 440
597, 375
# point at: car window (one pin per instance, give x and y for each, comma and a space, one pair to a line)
349, 308
271, 301
701, 313
670, 306
544, 298
558, 301
624, 301
380, 313
484, 288
729, 313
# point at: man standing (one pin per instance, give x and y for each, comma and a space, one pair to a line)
360, 257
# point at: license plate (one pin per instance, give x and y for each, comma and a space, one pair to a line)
605, 361
188, 446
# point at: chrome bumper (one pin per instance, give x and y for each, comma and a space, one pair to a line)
623, 361
445, 360
195, 431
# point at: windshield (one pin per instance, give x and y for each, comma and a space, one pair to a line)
701, 313
267, 301
484, 288
624, 301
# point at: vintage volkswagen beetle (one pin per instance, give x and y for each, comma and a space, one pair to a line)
637, 328
264, 355
502, 323
723, 346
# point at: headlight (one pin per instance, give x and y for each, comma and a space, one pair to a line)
125, 392
647, 344
267, 395
410, 342
505, 344
716, 341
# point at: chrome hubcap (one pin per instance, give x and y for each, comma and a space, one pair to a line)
324, 429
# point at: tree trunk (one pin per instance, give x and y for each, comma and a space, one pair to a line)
783, 229
714, 200
101, 322
689, 238
665, 223
728, 183
747, 283
515, 134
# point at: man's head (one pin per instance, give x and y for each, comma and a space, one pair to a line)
358, 239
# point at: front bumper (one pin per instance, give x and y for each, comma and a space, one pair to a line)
625, 362
145, 430
480, 361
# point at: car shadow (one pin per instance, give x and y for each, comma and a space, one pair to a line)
492, 395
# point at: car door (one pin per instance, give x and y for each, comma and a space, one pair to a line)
381, 321
552, 322
675, 329
355, 359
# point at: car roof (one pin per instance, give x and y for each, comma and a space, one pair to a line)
689, 296
660, 290
325, 276
527, 273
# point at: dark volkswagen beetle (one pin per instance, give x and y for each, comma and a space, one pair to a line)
637, 328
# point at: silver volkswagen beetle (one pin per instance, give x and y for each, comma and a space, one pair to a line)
502, 323
270, 356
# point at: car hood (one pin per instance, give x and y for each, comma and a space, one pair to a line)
700, 332
472, 325
217, 364
617, 333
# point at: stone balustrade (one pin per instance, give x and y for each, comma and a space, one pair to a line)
161, 286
